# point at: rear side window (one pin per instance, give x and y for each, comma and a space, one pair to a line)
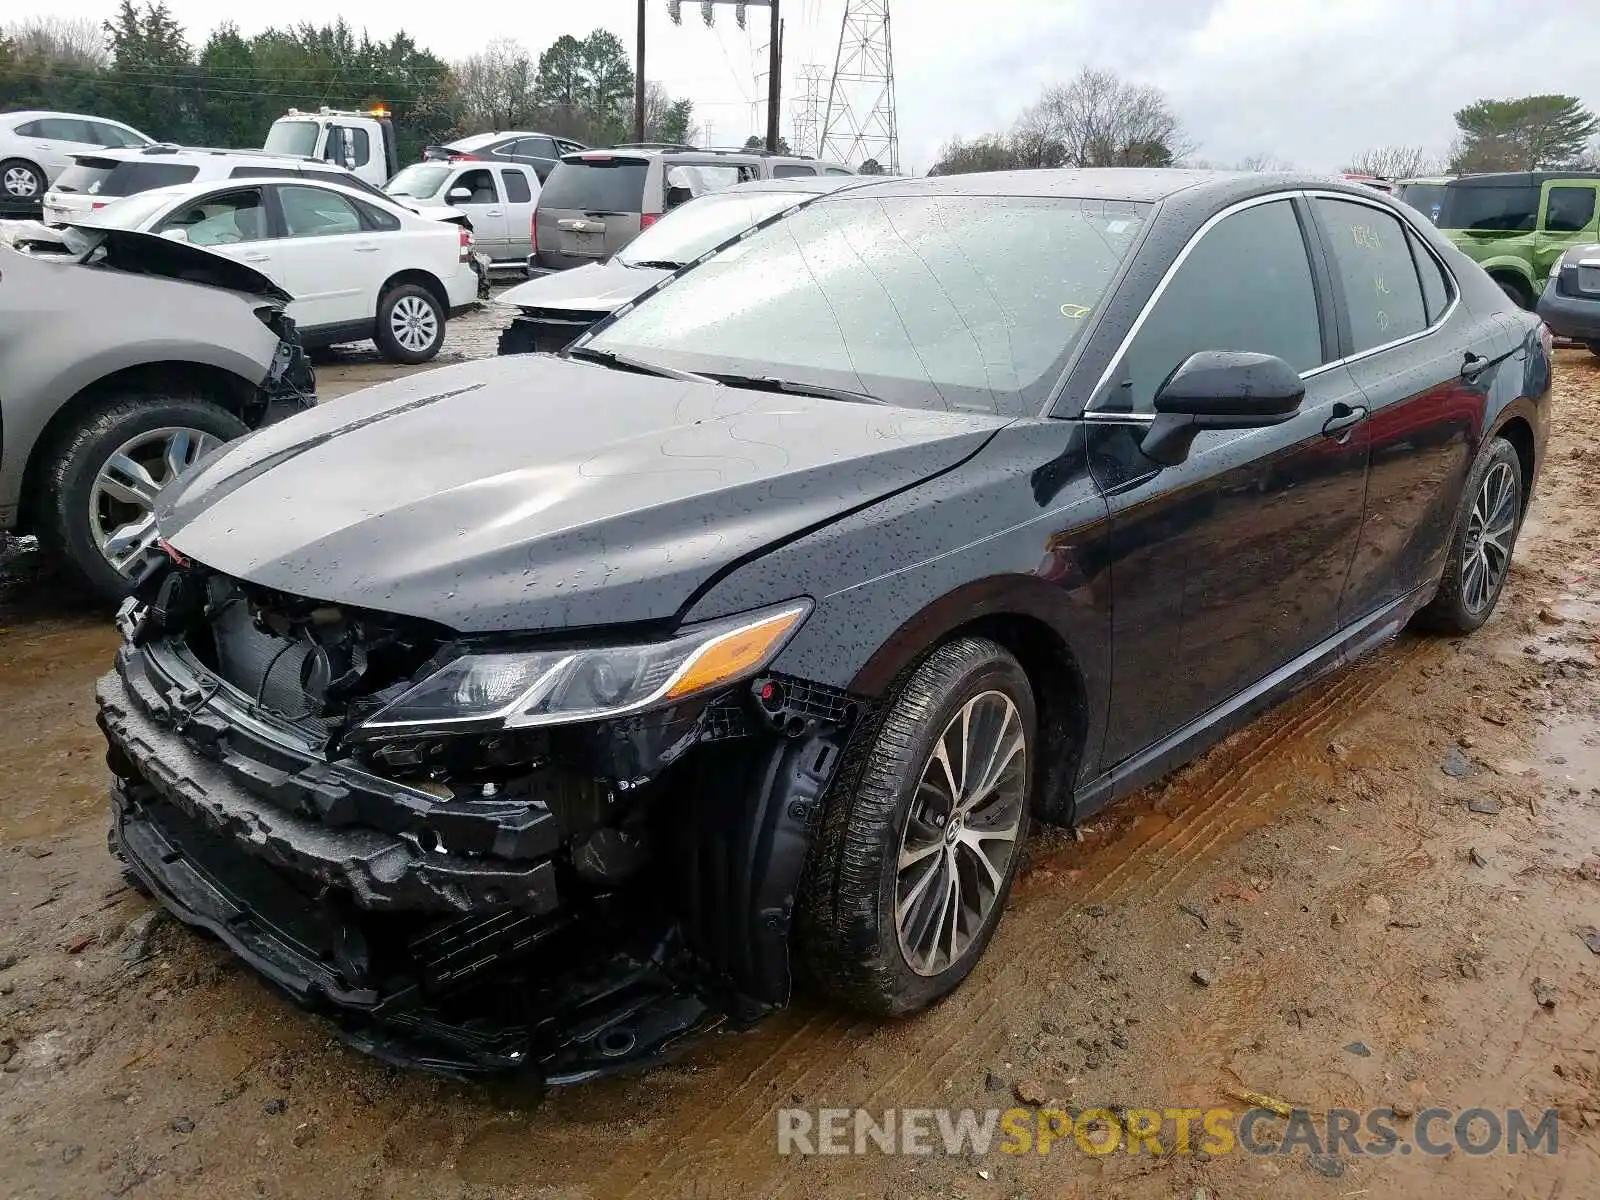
312, 212
131, 178
377, 218
1245, 286
517, 190
30, 129
1372, 263
791, 171
260, 172
111, 135
1569, 209
533, 148
606, 185
1468, 205
1436, 290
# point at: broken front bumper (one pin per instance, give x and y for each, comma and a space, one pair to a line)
465, 957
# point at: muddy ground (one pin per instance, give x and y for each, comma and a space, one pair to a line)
1369, 938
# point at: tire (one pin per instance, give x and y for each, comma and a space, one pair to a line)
850, 944
1465, 598
21, 181
1516, 291
1594, 347
409, 306
77, 511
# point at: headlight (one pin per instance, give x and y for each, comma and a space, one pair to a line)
556, 687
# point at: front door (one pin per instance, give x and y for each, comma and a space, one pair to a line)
1567, 216
484, 207
1231, 564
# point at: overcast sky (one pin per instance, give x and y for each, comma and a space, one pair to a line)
1311, 81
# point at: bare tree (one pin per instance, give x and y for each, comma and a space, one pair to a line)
1100, 120
1394, 162
496, 87
64, 41
1265, 162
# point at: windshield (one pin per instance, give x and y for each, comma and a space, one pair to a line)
686, 233
1426, 198
292, 137
420, 181
1468, 205
604, 185
969, 302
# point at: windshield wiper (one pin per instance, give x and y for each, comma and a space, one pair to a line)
656, 264
767, 383
626, 362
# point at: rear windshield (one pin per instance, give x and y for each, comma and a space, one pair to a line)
79, 178
420, 181
606, 185
1469, 205
131, 178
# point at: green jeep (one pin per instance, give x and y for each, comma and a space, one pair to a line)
1516, 225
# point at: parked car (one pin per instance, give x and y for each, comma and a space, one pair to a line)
499, 201
1570, 302
541, 151
765, 621
1424, 195
35, 147
554, 309
598, 201
1517, 224
123, 366
358, 264
1376, 182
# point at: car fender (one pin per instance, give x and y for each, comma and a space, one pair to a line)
1510, 264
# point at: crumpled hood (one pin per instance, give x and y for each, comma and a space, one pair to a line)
152, 254
593, 288
536, 492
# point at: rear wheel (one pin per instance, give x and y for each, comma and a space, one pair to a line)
1516, 291
923, 835
101, 480
1480, 554
1594, 347
20, 180
410, 324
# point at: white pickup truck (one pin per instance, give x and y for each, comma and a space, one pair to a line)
362, 142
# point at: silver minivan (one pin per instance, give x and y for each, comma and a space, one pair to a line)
597, 201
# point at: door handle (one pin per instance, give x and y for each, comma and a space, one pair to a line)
496, 212
1473, 365
254, 257
368, 249
1345, 417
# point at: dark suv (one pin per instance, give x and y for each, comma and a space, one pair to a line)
1516, 225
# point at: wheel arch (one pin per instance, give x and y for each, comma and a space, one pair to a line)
205, 381
1517, 430
1023, 615
424, 279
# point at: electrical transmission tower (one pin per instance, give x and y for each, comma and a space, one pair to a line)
859, 125
808, 110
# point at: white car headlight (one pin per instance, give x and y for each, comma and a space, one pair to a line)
520, 689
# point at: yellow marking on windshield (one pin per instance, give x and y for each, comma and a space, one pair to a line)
1076, 311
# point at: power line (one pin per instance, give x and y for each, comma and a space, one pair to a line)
859, 124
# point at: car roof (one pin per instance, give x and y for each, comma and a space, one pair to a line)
32, 114
1519, 178
168, 151
178, 191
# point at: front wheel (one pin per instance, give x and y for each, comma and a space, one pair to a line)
410, 324
101, 480
1480, 552
923, 835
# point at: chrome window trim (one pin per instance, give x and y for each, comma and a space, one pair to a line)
1131, 418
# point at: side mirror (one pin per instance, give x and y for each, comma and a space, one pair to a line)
1220, 390
459, 194
176, 234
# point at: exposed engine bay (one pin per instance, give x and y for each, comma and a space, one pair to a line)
562, 900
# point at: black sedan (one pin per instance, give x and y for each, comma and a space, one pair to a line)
540, 712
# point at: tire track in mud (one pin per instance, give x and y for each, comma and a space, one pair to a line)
946, 1035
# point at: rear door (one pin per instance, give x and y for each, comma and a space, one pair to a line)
520, 186
1567, 216
484, 206
59, 138
593, 205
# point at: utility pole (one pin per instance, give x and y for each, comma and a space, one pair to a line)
774, 53
638, 82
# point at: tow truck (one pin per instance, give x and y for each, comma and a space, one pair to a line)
359, 140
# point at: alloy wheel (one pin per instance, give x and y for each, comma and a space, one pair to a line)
1491, 526
20, 183
413, 323
122, 500
961, 833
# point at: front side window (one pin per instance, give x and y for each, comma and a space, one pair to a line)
312, 212
224, 219
792, 171
480, 183
1569, 209
1245, 286
1372, 262
952, 302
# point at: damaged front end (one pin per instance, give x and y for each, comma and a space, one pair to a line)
541, 857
